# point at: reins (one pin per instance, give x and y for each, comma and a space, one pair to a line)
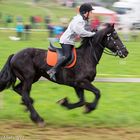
106, 51
95, 56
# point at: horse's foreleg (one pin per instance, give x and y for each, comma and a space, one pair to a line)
88, 86
80, 93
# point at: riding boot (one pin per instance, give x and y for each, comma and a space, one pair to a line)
56, 68
66, 48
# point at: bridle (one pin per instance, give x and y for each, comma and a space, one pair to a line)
118, 50
106, 50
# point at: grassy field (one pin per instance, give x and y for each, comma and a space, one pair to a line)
119, 104
26, 9
117, 116
116, 67
109, 66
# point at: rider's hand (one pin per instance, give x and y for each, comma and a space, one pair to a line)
94, 30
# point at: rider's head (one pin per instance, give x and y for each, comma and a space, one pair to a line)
85, 10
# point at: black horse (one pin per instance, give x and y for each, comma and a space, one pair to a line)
29, 65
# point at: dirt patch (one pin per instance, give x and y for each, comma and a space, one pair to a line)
23, 131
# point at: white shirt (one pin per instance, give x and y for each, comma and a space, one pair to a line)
76, 27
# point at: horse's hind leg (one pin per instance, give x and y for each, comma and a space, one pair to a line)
27, 75
80, 93
18, 89
25, 97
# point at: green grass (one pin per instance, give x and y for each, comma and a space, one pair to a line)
119, 104
109, 66
116, 67
26, 9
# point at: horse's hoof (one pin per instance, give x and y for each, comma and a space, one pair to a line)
87, 109
62, 101
41, 124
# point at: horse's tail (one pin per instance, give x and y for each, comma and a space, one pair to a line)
7, 77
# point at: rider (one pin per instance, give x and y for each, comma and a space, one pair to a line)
76, 27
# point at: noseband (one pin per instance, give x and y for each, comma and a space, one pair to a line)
118, 51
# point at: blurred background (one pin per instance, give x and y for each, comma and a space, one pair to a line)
34, 23
53, 16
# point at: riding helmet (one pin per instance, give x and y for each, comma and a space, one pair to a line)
86, 7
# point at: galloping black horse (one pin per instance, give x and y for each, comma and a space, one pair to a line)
29, 65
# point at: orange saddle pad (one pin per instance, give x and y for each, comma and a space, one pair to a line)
53, 56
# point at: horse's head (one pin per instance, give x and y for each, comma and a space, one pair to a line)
113, 42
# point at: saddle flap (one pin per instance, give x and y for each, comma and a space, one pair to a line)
54, 54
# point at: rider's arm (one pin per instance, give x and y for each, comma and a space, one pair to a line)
80, 30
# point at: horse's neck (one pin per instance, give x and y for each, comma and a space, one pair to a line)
90, 53
99, 51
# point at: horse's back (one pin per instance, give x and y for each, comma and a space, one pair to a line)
28, 52
27, 56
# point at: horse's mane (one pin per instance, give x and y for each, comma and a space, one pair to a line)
97, 38
85, 41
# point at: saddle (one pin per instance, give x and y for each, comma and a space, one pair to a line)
54, 55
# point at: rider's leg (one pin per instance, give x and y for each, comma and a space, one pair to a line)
66, 48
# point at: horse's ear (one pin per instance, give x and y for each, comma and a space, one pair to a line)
112, 25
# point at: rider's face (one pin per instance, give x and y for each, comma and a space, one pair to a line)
88, 14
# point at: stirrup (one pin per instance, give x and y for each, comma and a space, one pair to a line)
52, 73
